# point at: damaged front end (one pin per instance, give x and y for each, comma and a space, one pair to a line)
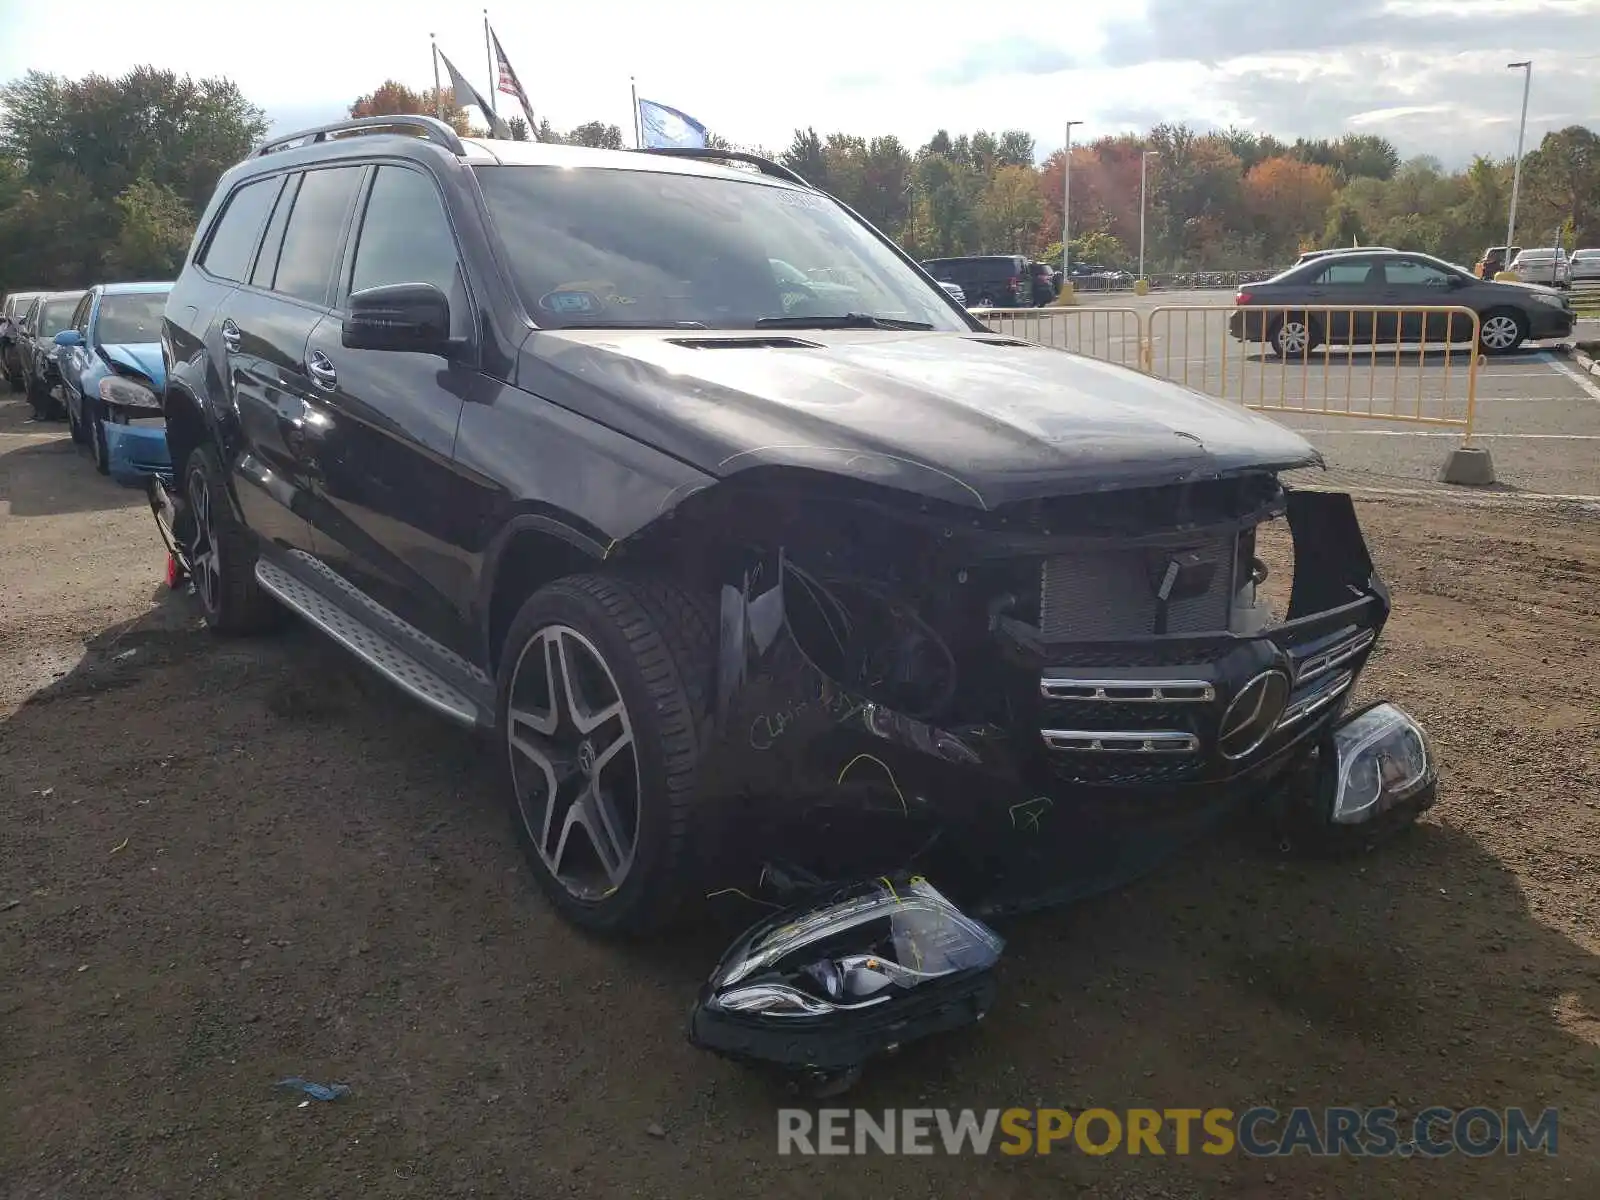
1029, 704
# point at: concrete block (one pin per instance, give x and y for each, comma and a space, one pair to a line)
1472, 466
1141, 287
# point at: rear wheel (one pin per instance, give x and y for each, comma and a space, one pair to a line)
1502, 331
1295, 336
221, 553
604, 685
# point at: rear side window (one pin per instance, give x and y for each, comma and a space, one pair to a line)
267, 260
233, 241
316, 227
1346, 271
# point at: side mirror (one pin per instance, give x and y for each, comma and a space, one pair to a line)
400, 316
1457, 281
69, 337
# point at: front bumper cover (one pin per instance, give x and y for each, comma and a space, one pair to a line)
809, 771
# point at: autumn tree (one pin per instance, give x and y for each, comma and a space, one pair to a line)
1563, 178
1288, 200
392, 99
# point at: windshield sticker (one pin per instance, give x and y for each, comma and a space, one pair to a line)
570, 302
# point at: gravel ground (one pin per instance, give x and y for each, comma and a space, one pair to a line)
225, 863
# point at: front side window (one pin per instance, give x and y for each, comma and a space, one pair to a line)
405, 238
599, 247
56, 316
227, 255
316, 226
130, 319
1411, 273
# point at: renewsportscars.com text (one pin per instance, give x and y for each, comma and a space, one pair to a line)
1256, 1132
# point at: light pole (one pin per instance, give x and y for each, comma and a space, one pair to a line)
1144, 164
1516, 170
1066, 201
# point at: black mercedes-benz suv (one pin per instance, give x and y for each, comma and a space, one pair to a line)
744, 577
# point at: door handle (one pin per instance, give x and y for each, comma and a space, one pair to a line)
230, 336
320, 368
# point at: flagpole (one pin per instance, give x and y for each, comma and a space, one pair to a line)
438, 94
494, 76
638, 136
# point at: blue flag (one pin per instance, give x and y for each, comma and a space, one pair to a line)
664, 126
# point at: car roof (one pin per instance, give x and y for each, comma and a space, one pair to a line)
128, 289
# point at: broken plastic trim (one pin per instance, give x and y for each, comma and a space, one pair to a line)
857, 972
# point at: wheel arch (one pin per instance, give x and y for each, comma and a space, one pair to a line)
530, 551
187, 427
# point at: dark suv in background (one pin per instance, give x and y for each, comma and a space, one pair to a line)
989, 280
562, 442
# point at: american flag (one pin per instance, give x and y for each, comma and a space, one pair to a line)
510, 84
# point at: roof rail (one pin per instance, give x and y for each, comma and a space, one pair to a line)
413, 124
766, 165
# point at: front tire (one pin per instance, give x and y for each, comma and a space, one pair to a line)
221, 553
74, 425
604, 688
1501, 331
96, 437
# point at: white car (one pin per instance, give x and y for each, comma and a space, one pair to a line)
1547, 266
1584, 266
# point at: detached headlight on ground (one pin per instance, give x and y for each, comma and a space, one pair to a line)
127, 393
864, 969
1381, 758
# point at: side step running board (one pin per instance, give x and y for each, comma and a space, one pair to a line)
378, 652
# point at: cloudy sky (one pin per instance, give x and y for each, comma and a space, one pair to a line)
1429, 74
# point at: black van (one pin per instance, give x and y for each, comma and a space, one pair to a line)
989, 280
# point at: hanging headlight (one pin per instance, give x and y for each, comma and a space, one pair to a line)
858, 972
1381, 758
114, 389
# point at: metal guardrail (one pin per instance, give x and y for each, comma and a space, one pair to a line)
1413, 364
1111, 334
1410, 363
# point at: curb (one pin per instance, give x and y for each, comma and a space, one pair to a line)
1585, 358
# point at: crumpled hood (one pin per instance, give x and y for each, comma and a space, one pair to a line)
142, 357
968, 417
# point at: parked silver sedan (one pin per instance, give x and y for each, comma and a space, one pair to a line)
1543, 265
1584, 266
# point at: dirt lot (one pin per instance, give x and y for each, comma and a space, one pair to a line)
226, 863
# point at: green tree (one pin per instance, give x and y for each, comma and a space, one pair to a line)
805, 158
1563, 182
1010, 211
155, 231
519, 128
171, 129
597, 134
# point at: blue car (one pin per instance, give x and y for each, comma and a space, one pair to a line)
112, 378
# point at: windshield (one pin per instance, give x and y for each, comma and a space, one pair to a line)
130, 319
56, 315
600, 248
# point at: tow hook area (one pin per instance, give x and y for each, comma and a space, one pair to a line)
859, 970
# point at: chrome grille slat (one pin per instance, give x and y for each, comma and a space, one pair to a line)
1109, 741
1316, 701
1323, 661
1128, 691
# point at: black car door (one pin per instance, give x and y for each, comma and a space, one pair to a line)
390, 499
262, 329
